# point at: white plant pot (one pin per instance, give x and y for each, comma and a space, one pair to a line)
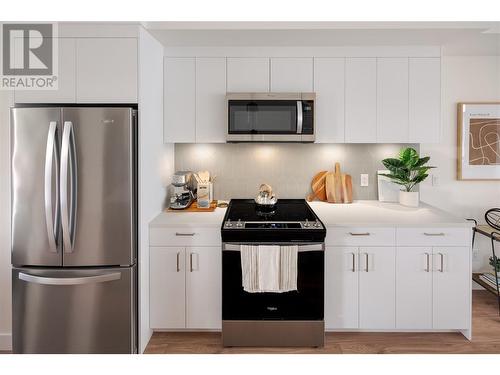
409, 199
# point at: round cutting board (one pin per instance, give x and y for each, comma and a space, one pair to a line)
318, 185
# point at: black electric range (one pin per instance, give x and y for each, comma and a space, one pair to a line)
290, 220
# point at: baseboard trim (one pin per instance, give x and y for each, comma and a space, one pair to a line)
5, 341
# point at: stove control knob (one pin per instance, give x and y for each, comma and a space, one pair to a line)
239, 224
229, 224
317, 224
307, 224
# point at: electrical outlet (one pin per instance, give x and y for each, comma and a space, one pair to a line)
364, 179
435, 180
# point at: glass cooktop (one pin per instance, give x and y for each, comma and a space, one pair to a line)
284, 210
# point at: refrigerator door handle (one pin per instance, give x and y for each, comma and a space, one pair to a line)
69, 280
51, 153
68, 209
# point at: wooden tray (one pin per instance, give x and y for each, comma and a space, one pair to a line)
194, 208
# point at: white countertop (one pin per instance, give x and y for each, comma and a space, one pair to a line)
381, 214
189, 219
359, 213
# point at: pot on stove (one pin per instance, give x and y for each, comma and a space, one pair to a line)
266, 198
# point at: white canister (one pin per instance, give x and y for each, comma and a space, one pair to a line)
203, 195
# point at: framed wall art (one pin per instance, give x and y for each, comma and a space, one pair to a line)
478, 141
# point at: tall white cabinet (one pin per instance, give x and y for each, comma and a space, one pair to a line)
425, 99
179, 100
392, 100
210, 100
329, 85
361, 100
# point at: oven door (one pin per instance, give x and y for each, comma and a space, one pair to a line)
307, 303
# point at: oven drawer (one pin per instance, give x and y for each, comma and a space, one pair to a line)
360, 236
184, 236
433, 236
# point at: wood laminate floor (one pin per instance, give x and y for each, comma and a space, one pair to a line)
485, 339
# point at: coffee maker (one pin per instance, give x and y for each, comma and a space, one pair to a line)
183, 190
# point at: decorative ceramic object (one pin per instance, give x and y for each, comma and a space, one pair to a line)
409, 198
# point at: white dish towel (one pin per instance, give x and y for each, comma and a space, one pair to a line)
267, 268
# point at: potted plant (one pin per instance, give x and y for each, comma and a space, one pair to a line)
408, 170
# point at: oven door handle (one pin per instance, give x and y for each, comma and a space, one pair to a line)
301, 248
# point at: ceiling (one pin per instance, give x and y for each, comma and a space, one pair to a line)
456, 38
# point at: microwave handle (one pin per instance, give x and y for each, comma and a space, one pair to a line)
299, 117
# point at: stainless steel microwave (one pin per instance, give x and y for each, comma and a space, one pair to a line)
270, 117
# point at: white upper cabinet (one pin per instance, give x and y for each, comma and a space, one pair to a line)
392, 100
292, 74
210, 100
66, 91
106, 70
247, 74
361, 100
179, 100
329, 107
425, 99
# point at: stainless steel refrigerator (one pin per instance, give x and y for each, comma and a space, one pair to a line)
74, 229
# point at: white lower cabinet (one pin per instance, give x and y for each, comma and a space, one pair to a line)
185, 287
398, 279
360, 288
433, 288
204, 287
341, 287
167, 287
451, 289
377, 287
414, 287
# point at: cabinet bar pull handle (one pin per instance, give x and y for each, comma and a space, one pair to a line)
428, 266
441, 256
367, 259
433, 234
184, 234
178, 268
190, 262
359, 234
353, 262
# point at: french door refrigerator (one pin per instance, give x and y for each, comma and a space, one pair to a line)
74, 274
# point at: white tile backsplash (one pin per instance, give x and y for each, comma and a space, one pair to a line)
288, 168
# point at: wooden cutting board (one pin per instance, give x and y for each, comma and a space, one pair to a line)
338, 184
318, 187
348, 185
330, 187
194, 208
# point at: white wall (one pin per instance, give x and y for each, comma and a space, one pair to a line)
156, 162
464, 78
5, 278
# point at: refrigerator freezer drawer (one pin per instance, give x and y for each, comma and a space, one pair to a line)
74, 310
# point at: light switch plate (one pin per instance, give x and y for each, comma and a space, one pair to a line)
364, 179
